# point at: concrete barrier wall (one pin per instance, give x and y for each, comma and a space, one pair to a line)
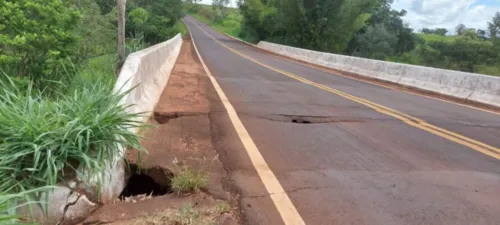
148, 71
466, 86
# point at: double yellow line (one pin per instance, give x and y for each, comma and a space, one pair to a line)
412, 121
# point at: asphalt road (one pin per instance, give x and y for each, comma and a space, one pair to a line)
342, 160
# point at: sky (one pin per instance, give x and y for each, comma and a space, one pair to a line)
441, 13
448, 13
231, 4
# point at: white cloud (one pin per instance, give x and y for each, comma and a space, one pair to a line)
232, 3
440, 13
448, 13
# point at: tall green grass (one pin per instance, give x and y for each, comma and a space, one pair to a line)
10, 203
46, 139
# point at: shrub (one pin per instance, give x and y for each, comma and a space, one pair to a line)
97, 31
139, 16
44, 139
156, 26
188, 180
36, 37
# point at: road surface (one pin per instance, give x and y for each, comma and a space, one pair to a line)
343, 150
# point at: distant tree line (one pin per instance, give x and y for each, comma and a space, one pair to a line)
370, 29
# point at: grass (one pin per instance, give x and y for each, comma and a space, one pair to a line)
186, 215
493, 70
187, 180
101, 68
436, 38
230, 25
222, 207
103, 65
180, 27
9, 203
43, 140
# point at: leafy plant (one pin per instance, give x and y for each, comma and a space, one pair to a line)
36, 37
9, 203
188, 180
157, 25
42, 140
139, 17
96, 31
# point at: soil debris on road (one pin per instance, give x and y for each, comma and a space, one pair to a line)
179, 180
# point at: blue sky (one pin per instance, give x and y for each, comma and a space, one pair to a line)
441, 13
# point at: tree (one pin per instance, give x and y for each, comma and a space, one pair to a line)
139, 16
192, 5
220, 9
470, 33
161, 22
97, 32
494, 28
376, 43
106, 6
460, 29
437, 31
427, 31
324, 25
481, 34
36, 38
383, 15
121, 6
441, 31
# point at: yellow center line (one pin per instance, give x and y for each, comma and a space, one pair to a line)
410, 120
329, 71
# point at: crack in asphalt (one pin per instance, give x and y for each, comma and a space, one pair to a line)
390, 186
165, 117
316, 188
308, 119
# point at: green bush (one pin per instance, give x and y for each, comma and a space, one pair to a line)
138, 16
36, 37
158, 26
43, 140
96, 30
101, 68
230, 24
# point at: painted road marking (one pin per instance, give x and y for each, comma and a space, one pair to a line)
284, 205
318, 67
412, 121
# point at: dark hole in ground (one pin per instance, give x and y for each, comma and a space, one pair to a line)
301, 121
152, 181
164, 118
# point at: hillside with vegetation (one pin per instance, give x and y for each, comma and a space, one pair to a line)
229, 23
369, 29
58, 111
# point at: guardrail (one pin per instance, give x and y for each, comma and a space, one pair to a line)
465, 86
147, 71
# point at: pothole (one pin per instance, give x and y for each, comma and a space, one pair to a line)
163, 118
303, 121
154, 181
